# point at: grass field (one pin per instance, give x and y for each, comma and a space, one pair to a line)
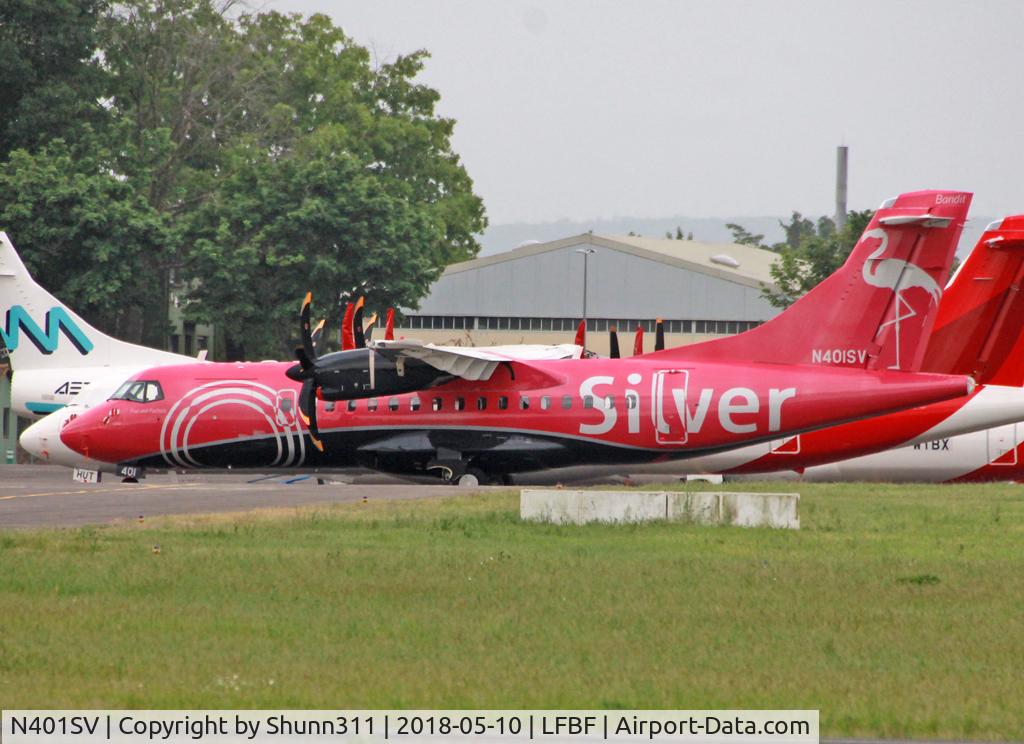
896, 610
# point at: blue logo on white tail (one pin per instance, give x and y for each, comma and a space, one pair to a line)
46, 339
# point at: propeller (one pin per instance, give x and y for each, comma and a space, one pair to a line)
317, 332
357, 325
308, 349
659, 335
348, 339
351, 373
613, 343
581, 333
638, 342
305, 372
368, 330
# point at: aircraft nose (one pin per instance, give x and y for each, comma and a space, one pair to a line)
75, 436
34, 440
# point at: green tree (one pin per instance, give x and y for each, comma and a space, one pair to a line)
220, 134
230, 117
49, 84
314, 219
742, 236
85, 233
680, 235
798, 229
818, 254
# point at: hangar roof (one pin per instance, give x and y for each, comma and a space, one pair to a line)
694, 255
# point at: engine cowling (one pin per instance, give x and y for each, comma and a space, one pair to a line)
364, 373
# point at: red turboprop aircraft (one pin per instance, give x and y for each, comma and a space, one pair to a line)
977, 332
847, 350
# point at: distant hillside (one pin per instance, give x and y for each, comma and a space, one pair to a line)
499, 238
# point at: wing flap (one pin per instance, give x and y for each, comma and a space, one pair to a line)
474, 363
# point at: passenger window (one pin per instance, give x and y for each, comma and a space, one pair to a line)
286, 404
524, 402
414, 404
632, 402
460, 404
481, 403
588, 401
545, 402
329, 406
351, 406
567, 402
371, 405
436, 404
609, 402
503, 402
392, 404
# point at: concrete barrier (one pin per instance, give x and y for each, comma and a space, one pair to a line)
568, 506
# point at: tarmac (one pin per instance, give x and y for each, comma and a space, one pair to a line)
45, 496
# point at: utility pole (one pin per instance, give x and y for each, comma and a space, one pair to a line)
587, 252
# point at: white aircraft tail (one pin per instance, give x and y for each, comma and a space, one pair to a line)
40, 331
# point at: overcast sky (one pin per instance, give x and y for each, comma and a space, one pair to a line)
593, 109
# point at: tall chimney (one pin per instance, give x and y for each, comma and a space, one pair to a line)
841, 153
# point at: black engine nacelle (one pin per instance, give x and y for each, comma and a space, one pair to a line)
364, 373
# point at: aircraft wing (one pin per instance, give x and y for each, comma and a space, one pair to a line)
473, 362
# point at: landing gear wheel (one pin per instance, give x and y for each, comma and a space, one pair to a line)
472, 478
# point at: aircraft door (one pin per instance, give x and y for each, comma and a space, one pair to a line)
1002, 445
668, 405
285, 407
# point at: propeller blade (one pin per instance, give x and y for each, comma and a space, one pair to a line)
659, 335
348, 340
581, 334
368, 331
638, 341
317, 332
307, 406
307, 334
389, 325
357, 325
613, 343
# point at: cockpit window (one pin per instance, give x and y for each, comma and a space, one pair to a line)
139, 391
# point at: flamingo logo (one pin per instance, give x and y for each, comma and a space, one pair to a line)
899, 276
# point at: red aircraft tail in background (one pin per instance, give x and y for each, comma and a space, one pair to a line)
983, 303
878, 309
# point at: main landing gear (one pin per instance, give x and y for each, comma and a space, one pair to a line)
458, 472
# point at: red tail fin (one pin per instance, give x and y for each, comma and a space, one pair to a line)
978, 330
877, 310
